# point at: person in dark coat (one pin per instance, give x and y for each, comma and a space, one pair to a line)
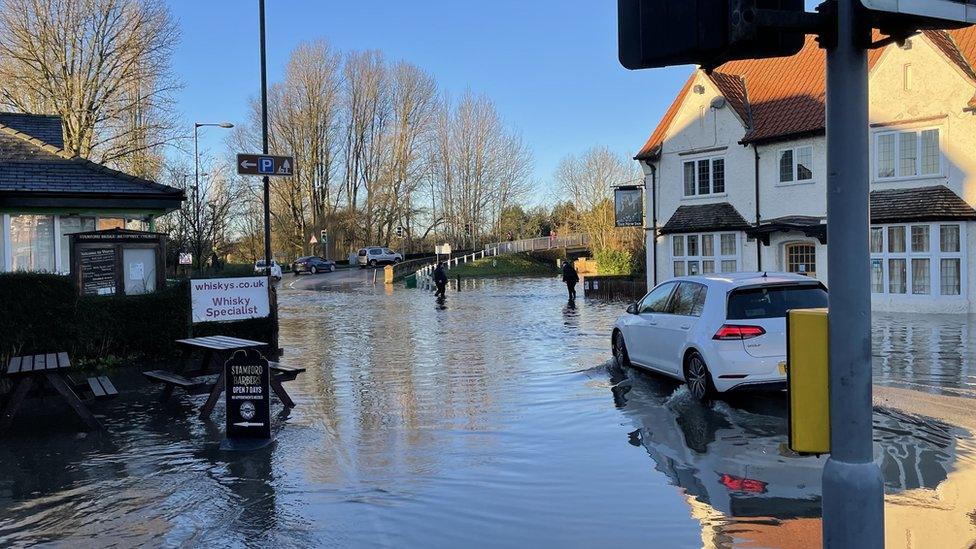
570, 277
440, 280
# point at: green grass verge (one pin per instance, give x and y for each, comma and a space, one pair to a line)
504, 265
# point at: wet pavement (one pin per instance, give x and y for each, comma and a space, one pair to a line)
491, 419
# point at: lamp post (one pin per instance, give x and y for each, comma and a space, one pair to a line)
196, 179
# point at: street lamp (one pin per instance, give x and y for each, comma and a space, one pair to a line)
196, 175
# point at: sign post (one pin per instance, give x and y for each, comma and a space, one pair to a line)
247, 378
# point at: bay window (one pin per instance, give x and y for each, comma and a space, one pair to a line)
917, 259
704, 177
907, 153
695, 254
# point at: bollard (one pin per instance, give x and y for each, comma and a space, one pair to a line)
459, 283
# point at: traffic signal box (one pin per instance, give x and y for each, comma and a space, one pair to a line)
806, 371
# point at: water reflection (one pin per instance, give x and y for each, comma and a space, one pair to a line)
740, 479
932, 353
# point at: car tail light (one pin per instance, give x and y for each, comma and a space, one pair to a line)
730, 332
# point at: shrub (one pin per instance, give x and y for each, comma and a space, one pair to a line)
43, 313
613, 262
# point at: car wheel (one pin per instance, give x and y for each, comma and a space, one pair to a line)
331, 268
372, 263
620, 355
314, 270
698, 378
295, 272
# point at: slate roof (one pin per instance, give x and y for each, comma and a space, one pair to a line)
784, 97
936, 203
720, 216
44, 127
30, 164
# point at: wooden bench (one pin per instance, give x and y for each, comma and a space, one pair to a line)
46, 370
102, 387
191, 386
285, 373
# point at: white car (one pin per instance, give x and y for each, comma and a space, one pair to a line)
716, 332
259, 268
371, 257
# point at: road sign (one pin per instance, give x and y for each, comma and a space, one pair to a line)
263, 164
313, 240
960, 11
186, 258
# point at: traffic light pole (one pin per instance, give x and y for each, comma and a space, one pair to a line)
853, 490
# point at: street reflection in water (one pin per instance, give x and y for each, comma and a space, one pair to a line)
490, 418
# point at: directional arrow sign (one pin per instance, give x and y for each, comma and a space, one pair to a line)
263, 164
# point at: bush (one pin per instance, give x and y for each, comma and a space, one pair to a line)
43, 313
613, 262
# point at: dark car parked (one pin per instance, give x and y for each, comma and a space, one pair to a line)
312, 264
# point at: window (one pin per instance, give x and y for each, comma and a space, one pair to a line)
796, 165
32, 243
657, 300
695, 253
71, 225
920, 259
802, 259
908, 153
110, 223
704, 177
774, 301
688, 300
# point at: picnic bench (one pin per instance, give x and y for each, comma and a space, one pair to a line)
215, 351
52, 370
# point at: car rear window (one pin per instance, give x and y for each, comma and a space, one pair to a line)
774, 301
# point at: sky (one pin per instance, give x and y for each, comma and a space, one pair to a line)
550, 66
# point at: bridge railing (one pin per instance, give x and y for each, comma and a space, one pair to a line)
541, 243
425, 275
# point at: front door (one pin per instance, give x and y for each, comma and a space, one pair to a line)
802, 259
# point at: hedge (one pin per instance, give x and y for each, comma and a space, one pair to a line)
43, 313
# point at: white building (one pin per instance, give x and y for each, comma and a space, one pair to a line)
736, 172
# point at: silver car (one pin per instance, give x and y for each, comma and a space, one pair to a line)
371, 257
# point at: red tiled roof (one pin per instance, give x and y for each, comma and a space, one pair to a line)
785, 96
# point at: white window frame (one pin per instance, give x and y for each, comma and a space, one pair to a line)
716, 256
935, 255
796, 176
711, 177
897, 131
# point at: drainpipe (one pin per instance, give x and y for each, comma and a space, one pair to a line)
654, 218
759, 244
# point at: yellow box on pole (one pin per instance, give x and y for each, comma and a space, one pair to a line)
807, 378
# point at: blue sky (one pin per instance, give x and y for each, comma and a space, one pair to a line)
550, 65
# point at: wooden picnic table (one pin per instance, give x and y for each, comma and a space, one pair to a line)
28, 372
215, 350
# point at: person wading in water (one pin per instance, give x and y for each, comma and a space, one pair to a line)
570, 277
440, 280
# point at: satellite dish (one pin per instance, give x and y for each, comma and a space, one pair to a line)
718, 103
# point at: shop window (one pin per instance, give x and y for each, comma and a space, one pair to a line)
920, 259
32, 243
696, 253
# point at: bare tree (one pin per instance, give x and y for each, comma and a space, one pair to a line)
588, 182
102, 65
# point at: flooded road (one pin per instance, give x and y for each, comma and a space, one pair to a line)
492, 419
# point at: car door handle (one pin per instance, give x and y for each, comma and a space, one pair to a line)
686, 326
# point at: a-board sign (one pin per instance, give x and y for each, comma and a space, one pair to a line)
247, 379
226, 299
98, 273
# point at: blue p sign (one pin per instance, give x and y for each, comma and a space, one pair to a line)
266, 165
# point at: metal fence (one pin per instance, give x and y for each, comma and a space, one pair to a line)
541, 243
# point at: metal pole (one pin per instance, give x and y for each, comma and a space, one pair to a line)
264, 143
196, 195
853, 496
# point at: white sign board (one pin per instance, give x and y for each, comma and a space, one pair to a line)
963, 11
186, 259
226, 299
442, 249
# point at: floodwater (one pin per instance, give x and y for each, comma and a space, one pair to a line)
491, 419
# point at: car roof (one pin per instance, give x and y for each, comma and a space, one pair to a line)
738, 280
